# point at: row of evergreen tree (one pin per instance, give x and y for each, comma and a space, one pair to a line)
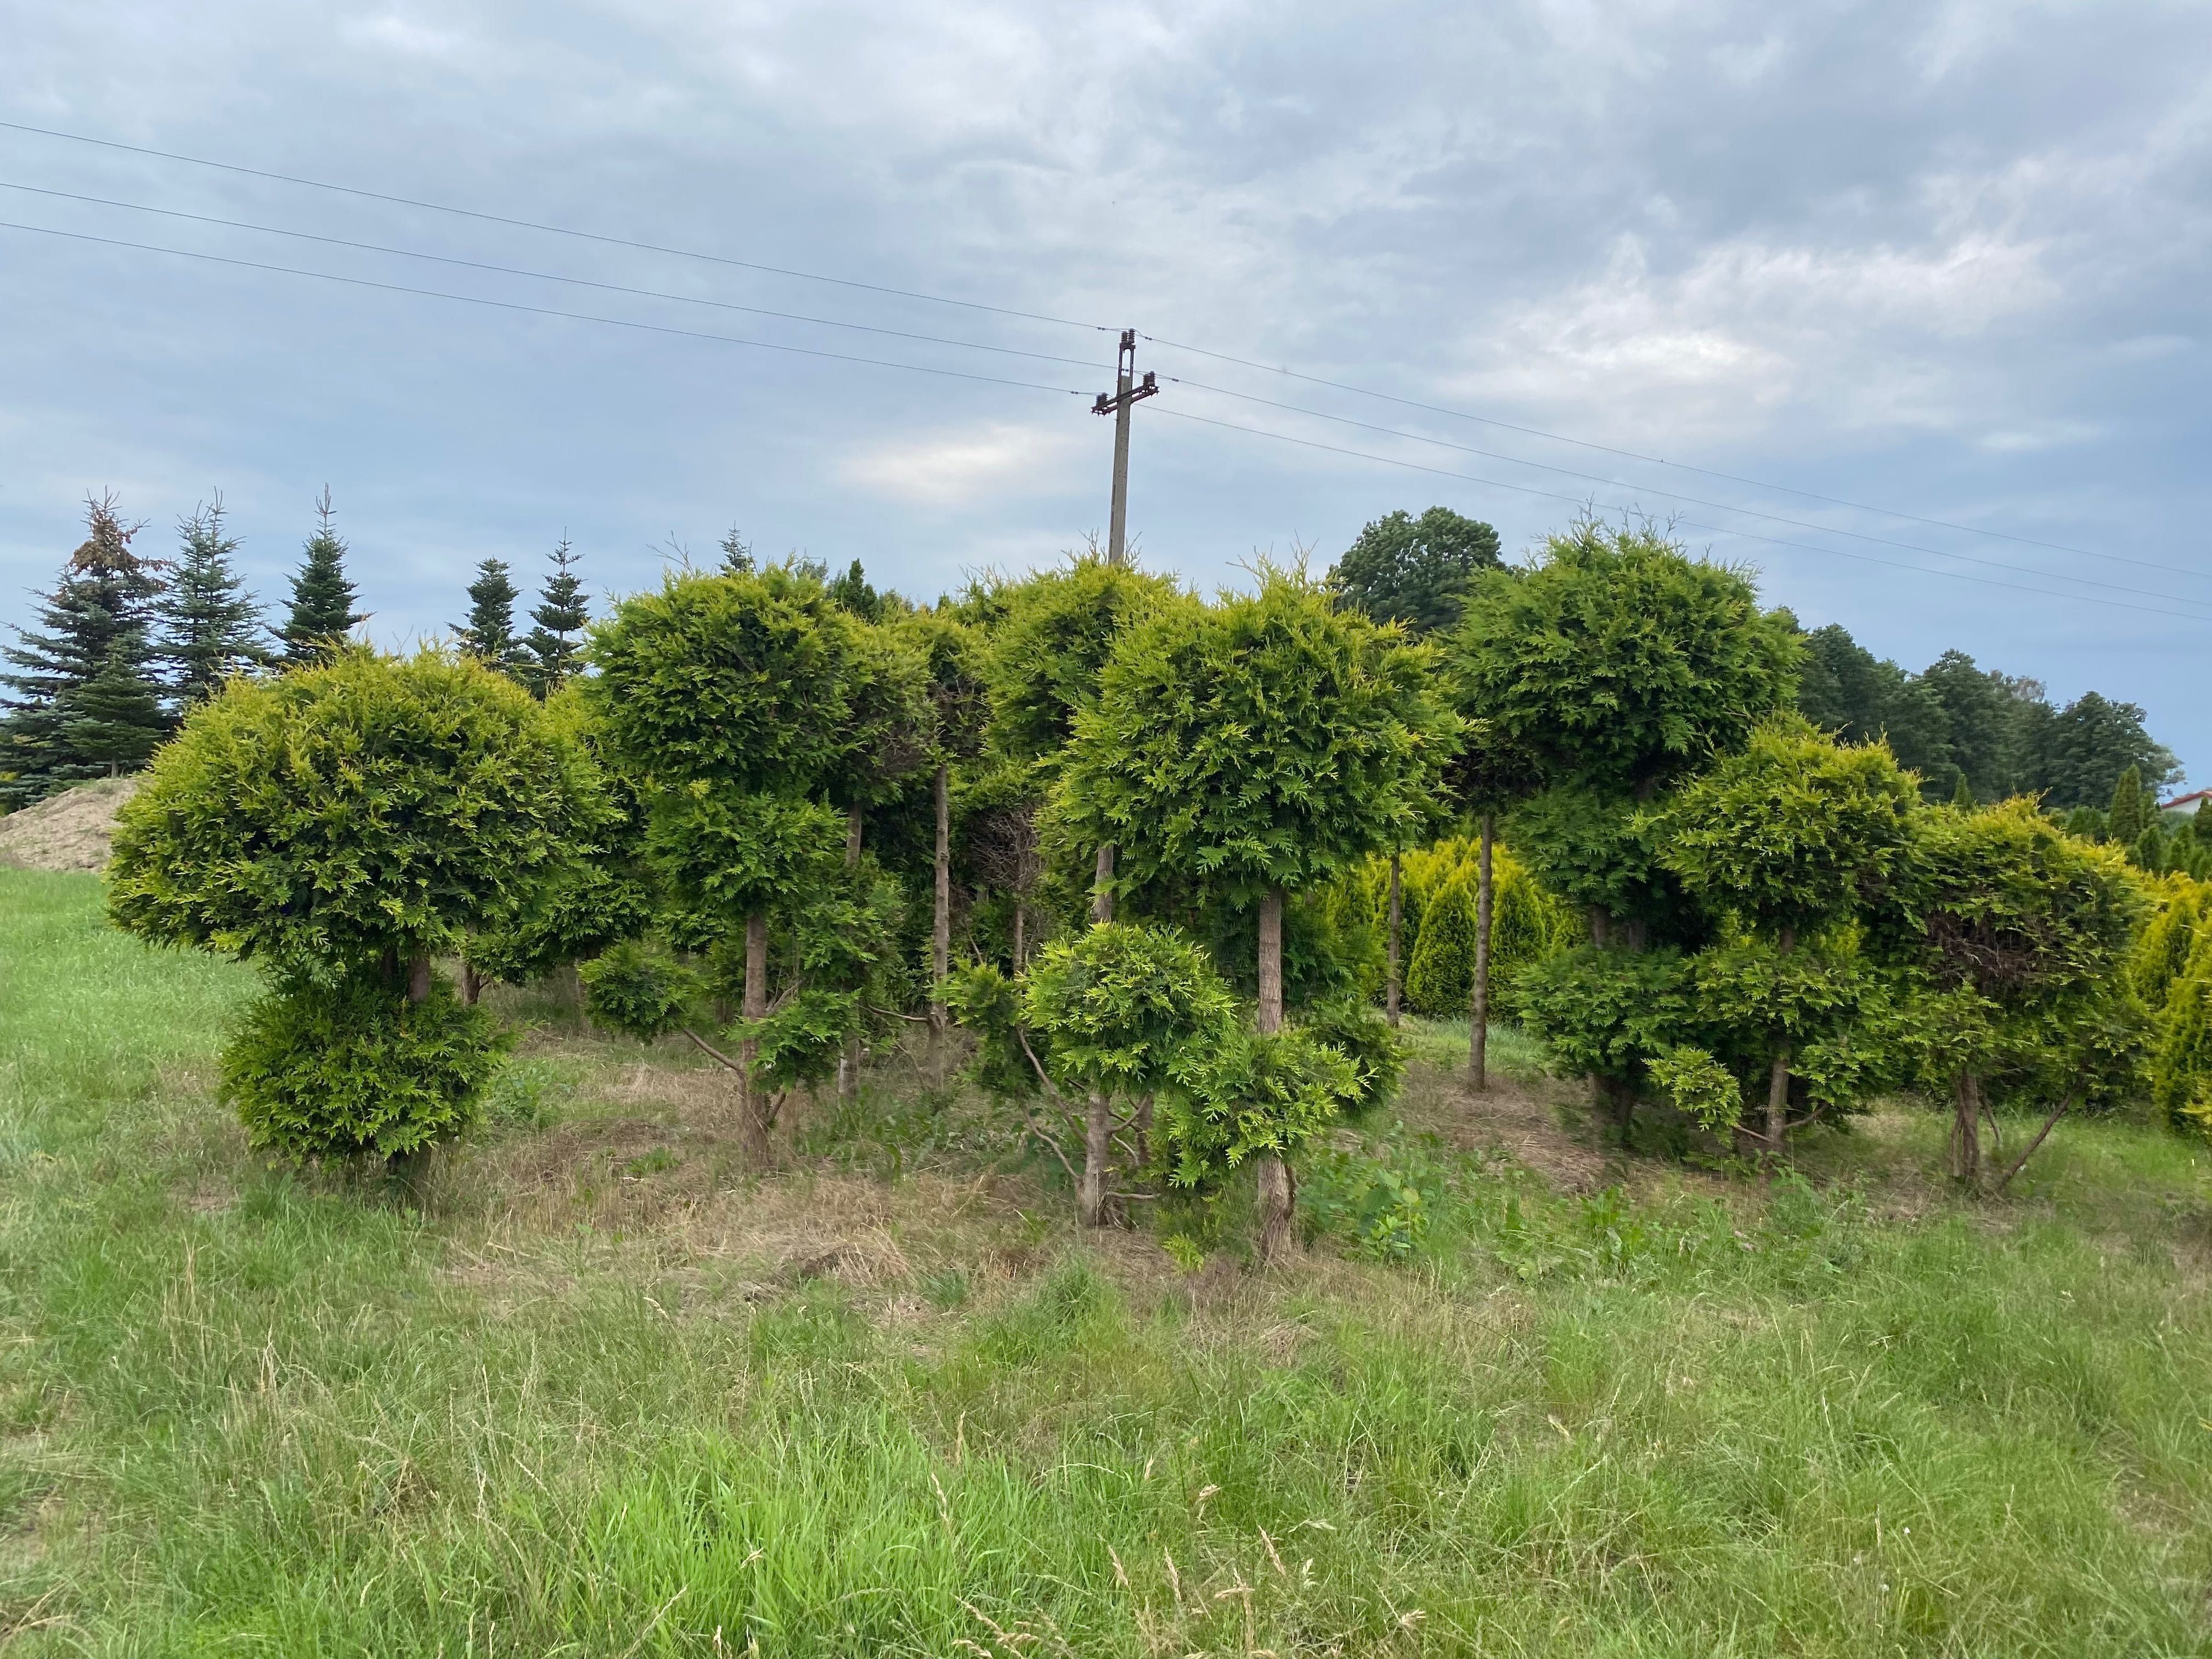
125, 643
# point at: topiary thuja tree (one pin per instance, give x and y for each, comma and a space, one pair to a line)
1250, 749
1102, 1019
600, 896
2018, 935
731, 700
1791, 839
340, 826
1618, 665
1048, 650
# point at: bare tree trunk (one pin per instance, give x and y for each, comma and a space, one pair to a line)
1145, 1133
1967, 1128
1021, 939
1777, 1079
1601, 925
418, 977
852, 837
1478, 1044
1102, 887
752, 1104
568, 979
1397, 926
941, 929
1097, 1149
1278, 1191
1271, 961
471, 983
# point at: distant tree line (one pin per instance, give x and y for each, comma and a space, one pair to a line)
125, 643
1966, 728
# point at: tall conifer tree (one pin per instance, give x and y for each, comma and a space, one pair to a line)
99, 611
553, 650
209, 626
489, 634
322, 597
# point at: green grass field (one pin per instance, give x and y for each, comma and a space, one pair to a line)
586, 1390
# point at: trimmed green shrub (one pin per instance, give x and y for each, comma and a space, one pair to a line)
336, 1072
1247, 1095
1357, 1031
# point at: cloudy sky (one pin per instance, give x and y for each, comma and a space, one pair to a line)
1947, 261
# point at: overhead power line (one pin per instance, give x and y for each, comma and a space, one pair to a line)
543, 311
553, 230
1676, 496
1226, 357
1660, 460
544, 275
1690, 524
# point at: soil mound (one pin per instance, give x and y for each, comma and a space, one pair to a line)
68, 831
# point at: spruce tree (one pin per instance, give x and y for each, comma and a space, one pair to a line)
102, 606
322, 599
553, 650
489, 634
209, 626
113, 720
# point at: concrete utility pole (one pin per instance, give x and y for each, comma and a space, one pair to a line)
1127, 393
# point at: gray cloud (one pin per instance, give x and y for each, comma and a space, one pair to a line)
1947, 259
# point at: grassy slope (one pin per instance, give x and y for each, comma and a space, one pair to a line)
573, 1404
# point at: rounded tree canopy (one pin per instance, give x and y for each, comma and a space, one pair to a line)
1268, 740
1620, 661
372, 804
745, 679
1793, 830
1052, 643
2015, 910
1112, 1006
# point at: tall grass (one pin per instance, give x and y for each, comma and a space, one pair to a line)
249, 1413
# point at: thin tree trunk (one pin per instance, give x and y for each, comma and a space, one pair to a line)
1397, 926
941, 929
1279, 1195
570, 980
1777, 1077
418, 977
1021, 940
1145, 1133
853, 837
471, 983
1102, 886
1967, 1128
752, 1106
1278, 1190
1271, 961
1097, 1149
1478, 1044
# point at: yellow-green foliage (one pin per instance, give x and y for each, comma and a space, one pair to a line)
2170, 970
2162, 952
1437, 886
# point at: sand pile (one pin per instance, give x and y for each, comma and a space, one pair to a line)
68, 831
